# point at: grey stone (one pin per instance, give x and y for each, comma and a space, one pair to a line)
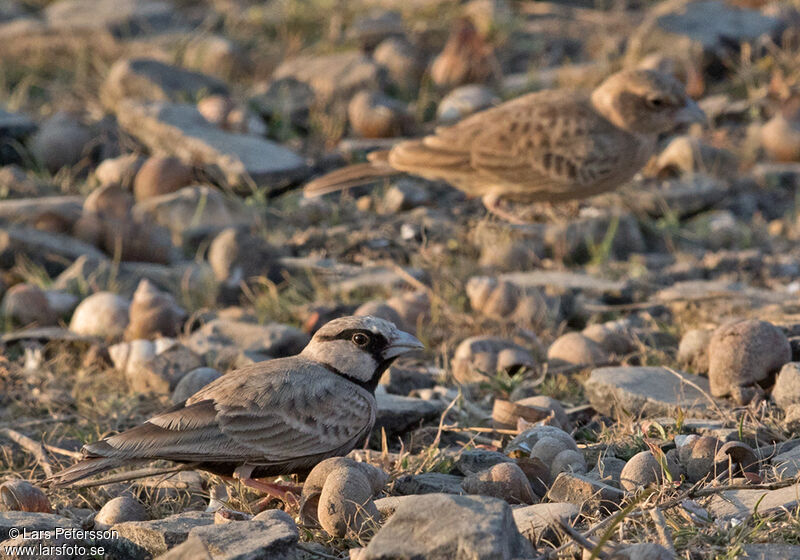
191, 209
23, 520
643, 551
771, 551
645, 391
237, 256
740, 504
121, 18
240, 159
584, 492
42, 247
146, 79
333, 76
286, 100
271, 535
428, 483
565, 280
400, 380
67, 208
705, 27
61, 141
464, 101
608, 470
397, 414
15, 126
576, 349
161, 373
542, 520
693, 349
787, 463
477, 528
192, 382
478, 358
685, 196
119, 510
787, 385
575, 238
273, 339
146, 539
744, 352
476, 460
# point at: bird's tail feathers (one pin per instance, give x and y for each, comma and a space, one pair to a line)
83, 469
355, 175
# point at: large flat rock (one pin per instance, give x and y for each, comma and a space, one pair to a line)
180, 130
647, 391
443, 526
29, 521
270, 535
741, 503
771, 551
333, 76
398, 414
538, 519
147, 539
121, 18
146, 79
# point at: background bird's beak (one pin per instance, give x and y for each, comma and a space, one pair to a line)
400, 344
691, 112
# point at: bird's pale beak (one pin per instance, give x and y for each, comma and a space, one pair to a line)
690, 113
401, 344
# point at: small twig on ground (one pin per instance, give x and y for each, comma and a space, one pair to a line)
62, 451
481, 430
582, 541
33, 447
38, 422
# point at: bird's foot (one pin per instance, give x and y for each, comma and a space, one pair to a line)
494, 205
287, 493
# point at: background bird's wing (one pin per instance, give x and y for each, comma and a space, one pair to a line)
268, 412
537, 146
557, 149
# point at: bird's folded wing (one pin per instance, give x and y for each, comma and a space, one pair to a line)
552, 155
271, 422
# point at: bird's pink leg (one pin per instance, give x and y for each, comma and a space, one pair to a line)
287, 493
492, 203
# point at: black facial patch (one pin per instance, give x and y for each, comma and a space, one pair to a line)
375, 347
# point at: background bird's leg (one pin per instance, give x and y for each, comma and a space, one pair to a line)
493, 205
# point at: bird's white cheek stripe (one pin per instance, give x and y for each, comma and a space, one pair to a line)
344, 356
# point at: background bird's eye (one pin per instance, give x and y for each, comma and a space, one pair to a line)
655, 102
360, 339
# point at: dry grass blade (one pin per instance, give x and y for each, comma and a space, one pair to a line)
708, 397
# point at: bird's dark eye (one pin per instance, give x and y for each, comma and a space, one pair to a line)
360, 339
655, 102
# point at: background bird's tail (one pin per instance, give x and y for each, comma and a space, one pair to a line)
351, 176
83, 469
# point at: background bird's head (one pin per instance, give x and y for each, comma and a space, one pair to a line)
645, 101
360, 348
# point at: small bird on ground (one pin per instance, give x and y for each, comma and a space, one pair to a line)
547, 146
271, 418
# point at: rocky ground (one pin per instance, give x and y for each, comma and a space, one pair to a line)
618, 380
